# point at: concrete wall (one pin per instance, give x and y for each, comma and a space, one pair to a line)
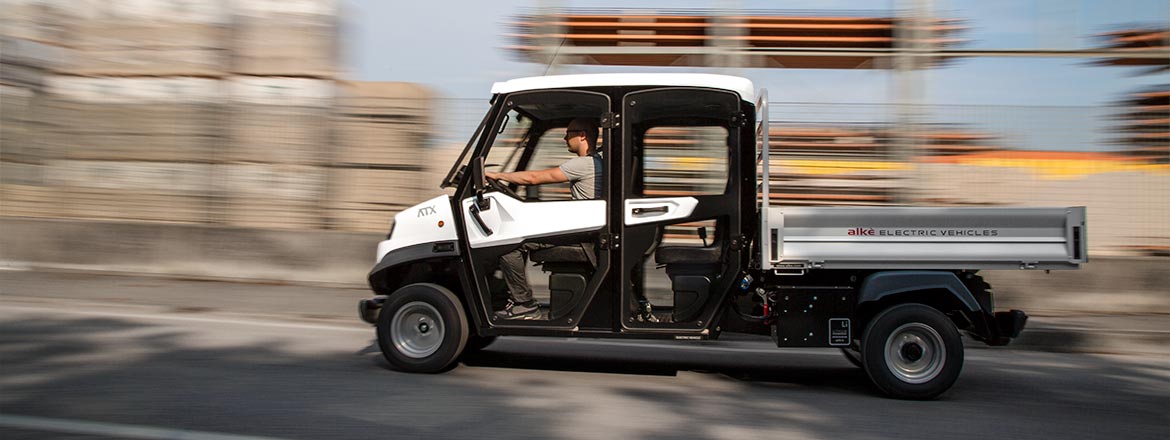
189, 250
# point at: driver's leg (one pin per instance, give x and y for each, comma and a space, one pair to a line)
521, 304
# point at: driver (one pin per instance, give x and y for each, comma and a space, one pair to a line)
584, 174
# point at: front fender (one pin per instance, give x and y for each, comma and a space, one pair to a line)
394, 268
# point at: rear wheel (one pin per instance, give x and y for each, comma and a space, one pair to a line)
912, 351
422, 328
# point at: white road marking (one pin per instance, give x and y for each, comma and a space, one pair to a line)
174, 317
115, 430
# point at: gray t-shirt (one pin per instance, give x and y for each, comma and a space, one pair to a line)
584, 173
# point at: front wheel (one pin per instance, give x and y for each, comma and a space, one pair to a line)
422, 328
912, 351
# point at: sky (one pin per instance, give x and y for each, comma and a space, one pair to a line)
456, 48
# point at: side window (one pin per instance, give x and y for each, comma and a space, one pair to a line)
508, 146
547, 115
550, 152
684, 161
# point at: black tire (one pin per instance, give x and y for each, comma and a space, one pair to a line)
476, 343
912, 351
422, 328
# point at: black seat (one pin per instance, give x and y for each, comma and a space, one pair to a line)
560, 254
688, 255
570, 268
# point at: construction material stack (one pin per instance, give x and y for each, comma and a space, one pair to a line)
30, 46
130, 148
285, 38
272, 168
146, 38
281, 94
379, 168
121, 124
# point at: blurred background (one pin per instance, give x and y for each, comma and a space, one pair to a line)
276, 139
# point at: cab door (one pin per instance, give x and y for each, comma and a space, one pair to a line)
681, 207
570, 269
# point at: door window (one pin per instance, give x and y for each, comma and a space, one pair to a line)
684, 161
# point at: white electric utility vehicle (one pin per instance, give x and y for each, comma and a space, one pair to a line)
686, 241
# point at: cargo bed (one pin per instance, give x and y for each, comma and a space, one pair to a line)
924, 238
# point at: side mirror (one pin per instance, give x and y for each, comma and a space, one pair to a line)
478, 182
477, 178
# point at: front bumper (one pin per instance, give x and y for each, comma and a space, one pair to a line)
368, 308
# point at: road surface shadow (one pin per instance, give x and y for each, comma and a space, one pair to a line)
305, 383
821, 370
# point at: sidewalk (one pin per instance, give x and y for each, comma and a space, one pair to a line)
1147, 334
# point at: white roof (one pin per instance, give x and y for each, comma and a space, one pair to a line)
742, 86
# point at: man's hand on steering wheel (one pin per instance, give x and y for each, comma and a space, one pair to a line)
498, 185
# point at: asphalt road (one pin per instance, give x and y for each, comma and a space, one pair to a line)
126, 364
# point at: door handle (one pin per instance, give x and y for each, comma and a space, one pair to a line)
474, 210
656, 209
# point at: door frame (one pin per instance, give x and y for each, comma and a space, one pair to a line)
474, 275
728, 205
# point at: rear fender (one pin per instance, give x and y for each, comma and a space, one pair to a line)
939, 289
884, 284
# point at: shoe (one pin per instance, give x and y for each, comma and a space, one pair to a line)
525, 311
646, 314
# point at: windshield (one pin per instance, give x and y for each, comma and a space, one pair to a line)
455, 175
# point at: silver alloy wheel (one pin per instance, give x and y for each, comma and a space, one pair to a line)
417, 329
915, 353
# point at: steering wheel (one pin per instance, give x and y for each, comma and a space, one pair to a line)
501, 187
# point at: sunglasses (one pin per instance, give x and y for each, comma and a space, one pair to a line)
569, 133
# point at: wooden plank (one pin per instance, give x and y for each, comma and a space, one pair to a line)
272, 182
20, 200
267, 214
348, 185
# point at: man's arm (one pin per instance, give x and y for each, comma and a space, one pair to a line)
536, 177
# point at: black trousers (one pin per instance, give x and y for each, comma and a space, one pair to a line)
514, 265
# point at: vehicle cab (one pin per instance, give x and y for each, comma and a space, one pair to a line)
667, 230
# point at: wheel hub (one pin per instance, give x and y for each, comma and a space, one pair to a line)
915, 353
417, 330
912, 352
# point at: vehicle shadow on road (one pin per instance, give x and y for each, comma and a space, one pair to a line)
822, 370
